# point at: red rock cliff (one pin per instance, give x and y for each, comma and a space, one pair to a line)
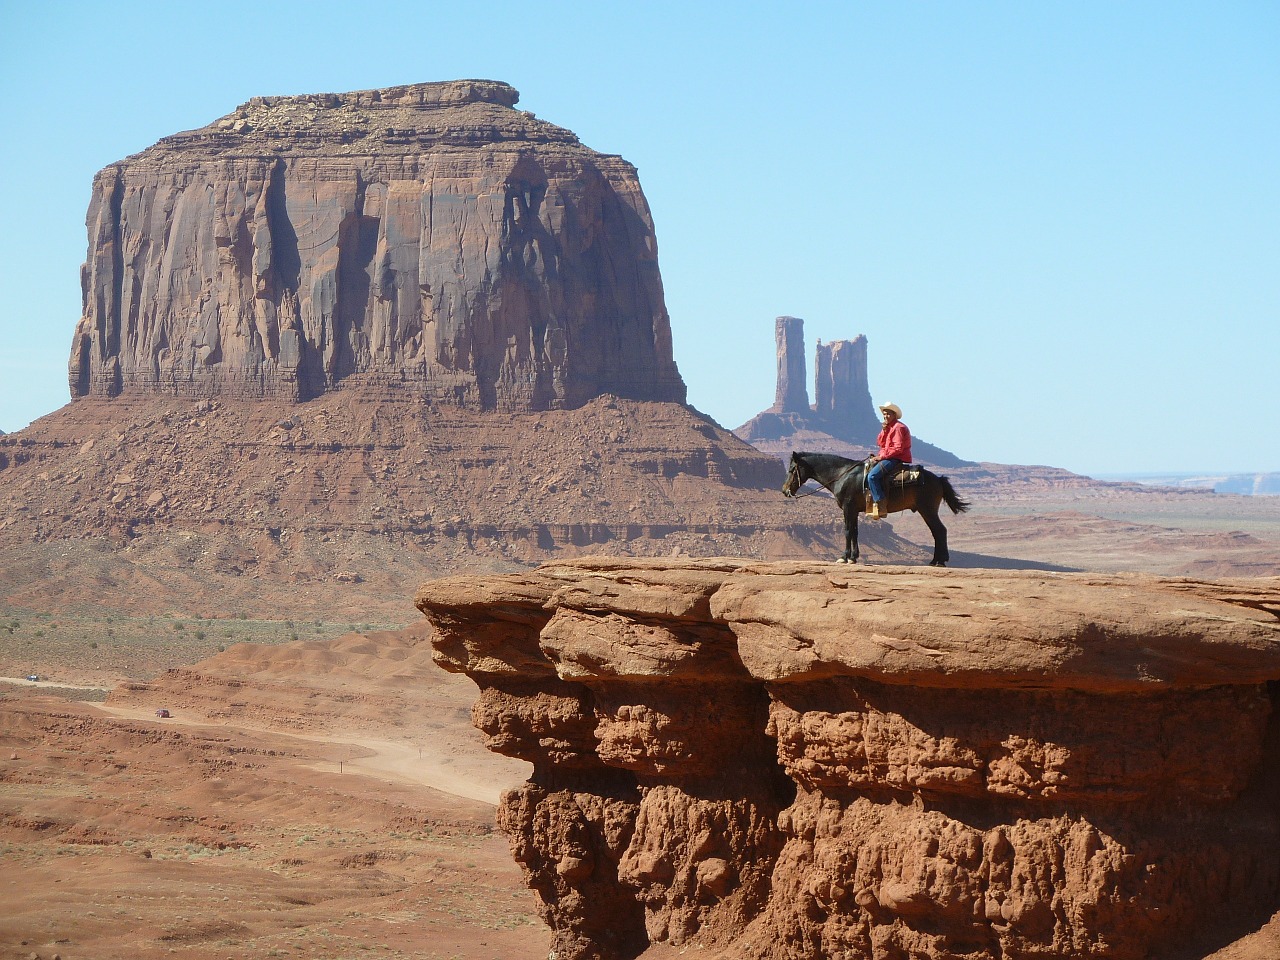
428, 236
802, 761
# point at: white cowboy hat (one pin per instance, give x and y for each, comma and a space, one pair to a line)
892, 408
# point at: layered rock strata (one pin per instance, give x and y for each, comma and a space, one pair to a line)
356, 497
429, 237
802, 761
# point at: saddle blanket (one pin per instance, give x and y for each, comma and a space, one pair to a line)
908, 474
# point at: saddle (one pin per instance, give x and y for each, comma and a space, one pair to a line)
908, 475
904, 476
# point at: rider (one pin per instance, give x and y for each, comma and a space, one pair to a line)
894, 442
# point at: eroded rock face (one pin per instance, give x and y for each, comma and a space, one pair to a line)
792, 395
799, 761
841, 388
428, 237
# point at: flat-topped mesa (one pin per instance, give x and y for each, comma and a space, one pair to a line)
429, 238
796, 761
389, 122
446, 93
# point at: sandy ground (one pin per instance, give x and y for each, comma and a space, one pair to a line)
328, 797
389, 760
123, 835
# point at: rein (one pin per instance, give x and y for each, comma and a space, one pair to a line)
821, 486
812, 493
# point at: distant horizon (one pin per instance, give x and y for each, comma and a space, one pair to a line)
1058, 227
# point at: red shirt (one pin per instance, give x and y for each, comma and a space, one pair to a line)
895, 442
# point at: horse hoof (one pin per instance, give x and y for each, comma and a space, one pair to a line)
937, 563
842, 560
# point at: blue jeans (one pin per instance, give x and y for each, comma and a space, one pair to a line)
877, 475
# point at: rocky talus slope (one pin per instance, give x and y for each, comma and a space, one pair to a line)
348, 502
794, 760
428, 237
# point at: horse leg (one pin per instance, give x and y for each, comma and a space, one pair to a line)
850, 533
940, 552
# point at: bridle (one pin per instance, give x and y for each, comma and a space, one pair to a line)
795, 493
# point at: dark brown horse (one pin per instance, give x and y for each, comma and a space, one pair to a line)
847, 481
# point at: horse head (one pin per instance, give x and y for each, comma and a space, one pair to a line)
794, 477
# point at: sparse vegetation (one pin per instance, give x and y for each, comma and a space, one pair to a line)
136, 648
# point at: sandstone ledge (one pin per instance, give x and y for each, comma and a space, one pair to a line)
805, 760
803, 621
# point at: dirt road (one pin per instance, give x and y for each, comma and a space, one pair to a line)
403, 760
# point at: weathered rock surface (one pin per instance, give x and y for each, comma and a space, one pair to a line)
841, 391
428, 237
792, 394
792, 760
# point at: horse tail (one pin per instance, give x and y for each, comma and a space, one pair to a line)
951, 497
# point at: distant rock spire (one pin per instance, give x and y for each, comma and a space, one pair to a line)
792, 395
841, 388
843, 409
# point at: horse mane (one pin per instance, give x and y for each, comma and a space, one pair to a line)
826, 459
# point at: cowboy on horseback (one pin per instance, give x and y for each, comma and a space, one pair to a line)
894, 442
845, 480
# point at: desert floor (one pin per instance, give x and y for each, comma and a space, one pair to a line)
318, 790
291, 832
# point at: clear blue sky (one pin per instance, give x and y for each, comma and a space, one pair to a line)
1057, 224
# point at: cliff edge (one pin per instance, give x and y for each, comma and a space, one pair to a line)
794, 760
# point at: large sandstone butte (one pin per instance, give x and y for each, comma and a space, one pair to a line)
428, 237
354, 340
774, 760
